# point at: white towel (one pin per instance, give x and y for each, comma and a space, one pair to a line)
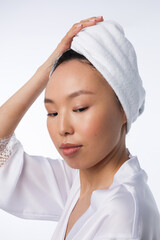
112, 54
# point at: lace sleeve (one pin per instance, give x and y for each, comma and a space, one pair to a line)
6, 148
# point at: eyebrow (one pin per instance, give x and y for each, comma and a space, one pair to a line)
72, 95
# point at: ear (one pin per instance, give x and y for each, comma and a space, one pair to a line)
124, 118
124, 123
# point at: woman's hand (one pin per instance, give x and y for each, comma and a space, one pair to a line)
26, 95
65, 43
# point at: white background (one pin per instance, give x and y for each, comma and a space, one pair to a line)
29, 32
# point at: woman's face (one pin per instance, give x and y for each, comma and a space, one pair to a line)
93, 120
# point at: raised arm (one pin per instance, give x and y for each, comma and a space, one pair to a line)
33, 187
12, 111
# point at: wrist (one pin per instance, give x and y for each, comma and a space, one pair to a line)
43, 72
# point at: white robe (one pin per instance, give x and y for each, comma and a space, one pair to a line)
36, 187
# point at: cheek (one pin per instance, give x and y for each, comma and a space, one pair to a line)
105, 125
100, 135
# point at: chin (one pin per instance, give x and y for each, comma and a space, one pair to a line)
72, 164
77, 165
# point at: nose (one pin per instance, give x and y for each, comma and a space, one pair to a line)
65, 125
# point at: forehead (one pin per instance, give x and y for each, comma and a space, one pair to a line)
75, 74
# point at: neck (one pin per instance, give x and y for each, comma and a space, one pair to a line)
101, 175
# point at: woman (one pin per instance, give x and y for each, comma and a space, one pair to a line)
93, 95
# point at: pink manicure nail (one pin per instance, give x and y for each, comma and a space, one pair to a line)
79, 25
92, 20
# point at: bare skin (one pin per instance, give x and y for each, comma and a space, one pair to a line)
12, 111
100, 128
108, 156
80, 208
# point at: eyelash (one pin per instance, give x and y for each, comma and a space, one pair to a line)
81, 110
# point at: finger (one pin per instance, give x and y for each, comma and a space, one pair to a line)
79, 26
87, 22
91, 21
97, 19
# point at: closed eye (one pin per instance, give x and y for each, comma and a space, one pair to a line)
52, 114
80, 109
77, 110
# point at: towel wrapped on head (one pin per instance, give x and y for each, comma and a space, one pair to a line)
112, 54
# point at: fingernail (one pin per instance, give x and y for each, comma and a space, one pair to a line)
79, 25
92, 20
99, 17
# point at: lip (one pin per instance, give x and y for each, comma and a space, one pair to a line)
69, 145
69, 151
